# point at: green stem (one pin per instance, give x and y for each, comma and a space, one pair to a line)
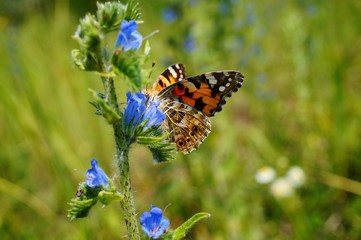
122, 150
127, 204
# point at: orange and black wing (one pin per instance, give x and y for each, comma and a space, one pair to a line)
206, 92
172, 74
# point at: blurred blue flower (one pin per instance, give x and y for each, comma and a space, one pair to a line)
192, 3
311, 10
169, 15
224, 8
189, 43
140, 109
154, 224
95, 177
128, 37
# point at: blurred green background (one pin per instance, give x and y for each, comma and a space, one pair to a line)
300, 105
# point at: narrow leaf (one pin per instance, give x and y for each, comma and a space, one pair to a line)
150, 139
104, 108
183, 229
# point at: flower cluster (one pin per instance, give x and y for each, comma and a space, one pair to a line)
139, 109
283, 186
154, 224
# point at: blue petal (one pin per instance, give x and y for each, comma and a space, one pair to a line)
128, 37
156, 213
163, 226
95, 177
164, 223
139, 109
135, 107
155, 116
121, 40
154, 223
128, 27
136, 40
144, 221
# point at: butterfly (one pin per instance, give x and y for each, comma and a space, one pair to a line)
189, 102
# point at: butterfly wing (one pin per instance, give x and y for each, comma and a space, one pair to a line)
189, 102
172, 74
188, 127
205, 92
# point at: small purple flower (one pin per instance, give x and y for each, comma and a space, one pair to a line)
154, 224
128, 37
95, 177
138, 110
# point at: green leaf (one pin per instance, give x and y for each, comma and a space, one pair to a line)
151, 139
84, 60
106, 197
183, 229
154, 139
84, 199
103, 108
128, 64
80, 208
162, 152
132, 11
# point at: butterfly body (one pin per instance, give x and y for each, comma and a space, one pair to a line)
189, 102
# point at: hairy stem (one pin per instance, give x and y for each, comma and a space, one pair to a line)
122, 150
127, 205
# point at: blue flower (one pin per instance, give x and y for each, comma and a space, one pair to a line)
169, 15
139, 109
154, 223
95, 177
224, 8
128, 37
189, 43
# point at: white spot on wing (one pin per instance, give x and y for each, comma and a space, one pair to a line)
222, 88
173, 72
212, 80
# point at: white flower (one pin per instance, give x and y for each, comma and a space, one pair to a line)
281, 188
296, 176
265, 175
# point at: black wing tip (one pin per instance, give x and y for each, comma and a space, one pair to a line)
239, 76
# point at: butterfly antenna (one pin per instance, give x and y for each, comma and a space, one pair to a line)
151, 71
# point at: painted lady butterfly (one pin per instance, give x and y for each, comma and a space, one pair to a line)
189, 102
